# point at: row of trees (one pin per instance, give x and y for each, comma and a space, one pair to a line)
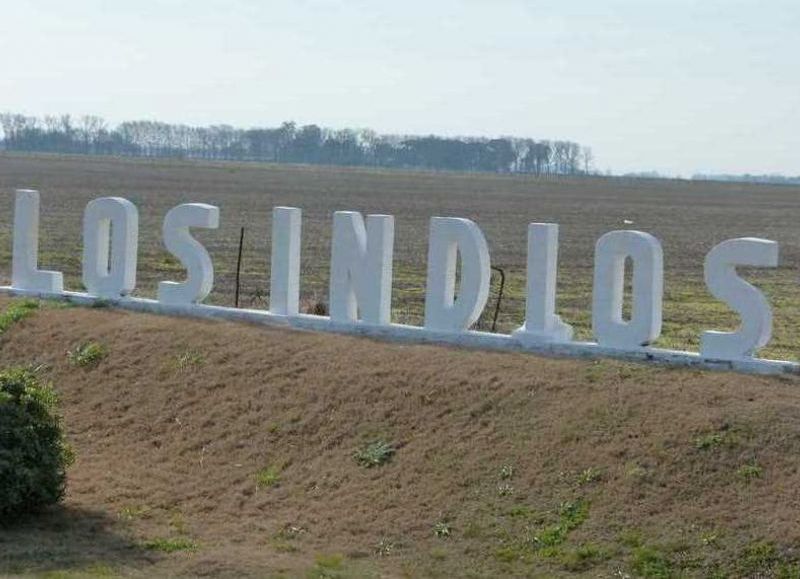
292, 144
748, 178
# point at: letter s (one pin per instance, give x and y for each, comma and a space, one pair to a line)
194, 257
746, 300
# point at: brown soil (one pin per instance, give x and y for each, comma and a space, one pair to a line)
172, 426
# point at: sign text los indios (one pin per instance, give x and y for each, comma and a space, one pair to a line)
361, 282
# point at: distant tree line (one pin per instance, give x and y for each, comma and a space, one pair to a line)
290, 143
748, 178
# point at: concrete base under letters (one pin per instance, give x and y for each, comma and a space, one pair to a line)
416, 334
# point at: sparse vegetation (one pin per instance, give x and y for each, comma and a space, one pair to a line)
132, 512
505, 489
442, 529
583, 557
188, 359
170, 544
18, 310
650, 562
314, 307
709, 441
374, 453
636, 472
385, 547
268, 476
87, 355
284, 540
571, 515
750, 471
328, 567
726, 437
589, 475
506, 472
177, 523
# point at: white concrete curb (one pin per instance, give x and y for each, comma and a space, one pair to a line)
415, 334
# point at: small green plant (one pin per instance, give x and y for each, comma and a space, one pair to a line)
87, 354
649, 562
131, 512
636, 472
170, 544
589, 476
384, 547
374, 454
787, 571
442, 529
631, 538
268, 477
506, 472
177, 523
709, 539
188, 360
33, 453
284, 539
757, 558
505, 490
17, 311
327, 567
583, 557
169, 263
750, 471
99, 570
290, 532
473, 530
508, 553
709, 441
571, 515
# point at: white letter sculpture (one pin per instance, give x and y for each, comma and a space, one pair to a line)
24, 268
746, 300
361, 267
609, 278
109, 253
191, 253
541, 322
284, 290
450, 236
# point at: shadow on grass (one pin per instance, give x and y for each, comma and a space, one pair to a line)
67, 539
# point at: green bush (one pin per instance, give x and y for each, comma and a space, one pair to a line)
33, 453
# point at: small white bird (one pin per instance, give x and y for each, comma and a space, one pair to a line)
627, 222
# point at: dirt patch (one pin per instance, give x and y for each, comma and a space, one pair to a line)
226, 449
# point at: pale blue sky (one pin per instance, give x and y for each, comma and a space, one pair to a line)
673, 85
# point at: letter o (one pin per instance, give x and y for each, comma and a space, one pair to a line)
611, 251
110, 239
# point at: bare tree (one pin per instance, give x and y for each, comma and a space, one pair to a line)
587, 158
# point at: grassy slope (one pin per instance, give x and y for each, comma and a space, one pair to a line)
228, 449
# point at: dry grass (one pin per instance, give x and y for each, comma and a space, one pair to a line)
502, 464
